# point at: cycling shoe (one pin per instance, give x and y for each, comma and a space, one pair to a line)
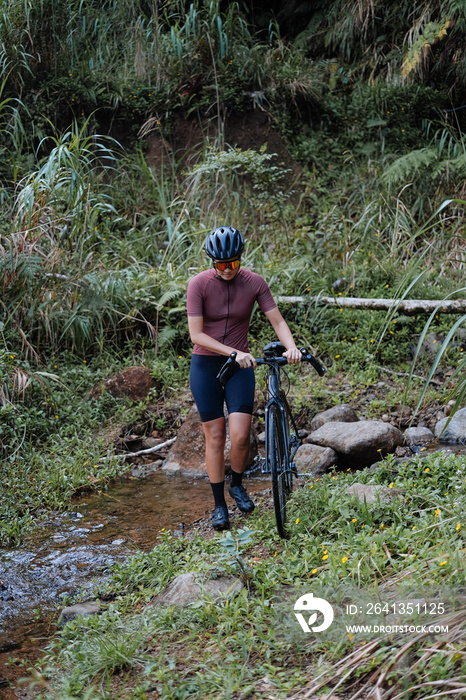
220, 519
242, 499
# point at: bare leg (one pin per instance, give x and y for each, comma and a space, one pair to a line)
215, 436
240, 431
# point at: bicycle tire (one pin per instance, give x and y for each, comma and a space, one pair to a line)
282, 476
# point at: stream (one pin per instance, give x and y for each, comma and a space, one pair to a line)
70, 551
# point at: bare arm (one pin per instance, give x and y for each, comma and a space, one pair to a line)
280, 326
196, 331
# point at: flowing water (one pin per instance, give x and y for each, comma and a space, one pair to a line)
69, 551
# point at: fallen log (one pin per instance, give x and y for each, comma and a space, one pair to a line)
149, 450
127, 455
406, 306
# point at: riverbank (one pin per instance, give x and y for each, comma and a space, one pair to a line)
407, 547
67, 554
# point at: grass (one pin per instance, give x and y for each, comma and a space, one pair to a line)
97, 243
49, 425
411, 547
49, 443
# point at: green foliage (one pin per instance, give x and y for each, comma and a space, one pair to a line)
342, 549
98, 241
48, 444
233, 547
432, 32
440, 163
62, 197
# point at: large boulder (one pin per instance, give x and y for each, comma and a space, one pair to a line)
315, 460
343, 412
133, 383
187, 454
358, 444
455, 431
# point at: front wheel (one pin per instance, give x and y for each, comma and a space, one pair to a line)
282, 476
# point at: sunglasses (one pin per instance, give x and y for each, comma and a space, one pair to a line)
230, 265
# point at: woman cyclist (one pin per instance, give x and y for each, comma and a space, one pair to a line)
220, 302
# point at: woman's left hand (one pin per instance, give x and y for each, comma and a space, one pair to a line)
293, 355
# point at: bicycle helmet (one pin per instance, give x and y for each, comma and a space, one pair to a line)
224, 243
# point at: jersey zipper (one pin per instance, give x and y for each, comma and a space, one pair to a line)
228, 313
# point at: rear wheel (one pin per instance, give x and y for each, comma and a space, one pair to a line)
282, 477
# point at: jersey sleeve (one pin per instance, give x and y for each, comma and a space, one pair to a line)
194, 297
265, 298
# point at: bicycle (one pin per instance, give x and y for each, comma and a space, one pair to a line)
281, 433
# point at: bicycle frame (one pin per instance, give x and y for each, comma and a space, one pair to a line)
281, 443
277, 397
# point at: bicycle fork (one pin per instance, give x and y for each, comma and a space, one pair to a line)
284, 431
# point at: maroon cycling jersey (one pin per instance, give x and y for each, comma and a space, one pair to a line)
226, 306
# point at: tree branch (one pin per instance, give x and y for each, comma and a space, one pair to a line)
407, 306
126, 455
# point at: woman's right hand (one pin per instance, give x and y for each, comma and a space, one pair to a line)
245, 359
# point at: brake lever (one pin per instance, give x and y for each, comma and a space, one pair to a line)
307, 357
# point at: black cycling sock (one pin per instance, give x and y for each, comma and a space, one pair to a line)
236, 479
219, 493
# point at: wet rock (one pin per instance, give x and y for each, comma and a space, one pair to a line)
146, 469
344, 413
180, 530
372, 493
133, 383
455, 431
187, 452
80, 609
315, 459
359, 444
418, 436
187, 588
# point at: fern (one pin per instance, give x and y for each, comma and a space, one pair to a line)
408, 167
